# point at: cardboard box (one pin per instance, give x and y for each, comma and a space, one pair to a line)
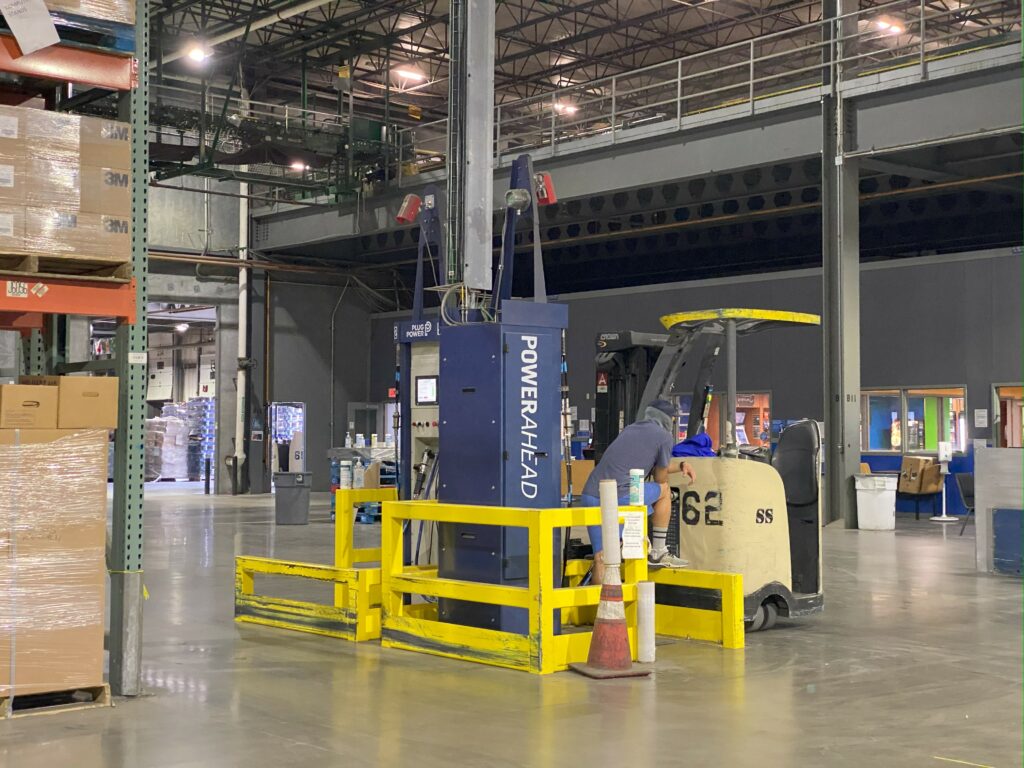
106, 191
83, 402
581, 469
25, 406
53, 135
12, 228
53, 182
57, 558
12, 132
114, 237
918, 475
13, 181
931, 479
57, 232
120, 11
53, 231
104, 143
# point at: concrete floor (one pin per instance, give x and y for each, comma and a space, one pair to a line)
917, 662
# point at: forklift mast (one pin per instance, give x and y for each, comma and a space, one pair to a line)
625, 360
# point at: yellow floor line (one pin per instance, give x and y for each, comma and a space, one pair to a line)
960, 762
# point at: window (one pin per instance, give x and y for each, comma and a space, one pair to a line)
913, 420
936, 416
1010, 416
881, 422
753, 418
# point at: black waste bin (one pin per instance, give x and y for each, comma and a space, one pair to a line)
291, 497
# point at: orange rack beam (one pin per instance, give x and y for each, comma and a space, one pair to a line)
62, 62
21, 299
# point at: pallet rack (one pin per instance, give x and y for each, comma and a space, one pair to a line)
27, 300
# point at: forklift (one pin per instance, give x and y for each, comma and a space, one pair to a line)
748, 512
624, 361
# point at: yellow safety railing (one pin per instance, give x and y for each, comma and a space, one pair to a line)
699, 605
541, 651
694, 605
355, 614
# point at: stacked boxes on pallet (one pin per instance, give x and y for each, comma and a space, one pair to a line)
53, 501
202, 426
120, 11
65, 187
166, 449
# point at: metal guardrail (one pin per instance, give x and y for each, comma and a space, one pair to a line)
355, 612
540, 650
238, 109
906, 34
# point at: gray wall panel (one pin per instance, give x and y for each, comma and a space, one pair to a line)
301, 359
939, 110
944, 322
177, 219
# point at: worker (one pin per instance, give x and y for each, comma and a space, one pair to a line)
647, 445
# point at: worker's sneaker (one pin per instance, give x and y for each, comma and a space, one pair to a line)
665, 559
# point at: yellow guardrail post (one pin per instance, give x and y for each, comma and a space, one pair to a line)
392, 603
542, 584
733, 631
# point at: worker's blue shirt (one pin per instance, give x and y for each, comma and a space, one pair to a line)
643, 445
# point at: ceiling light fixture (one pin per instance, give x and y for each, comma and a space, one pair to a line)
198, 53
411, 74
298, 165
181, 327
889, 27
566, 109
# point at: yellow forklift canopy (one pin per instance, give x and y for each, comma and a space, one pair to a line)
747, 320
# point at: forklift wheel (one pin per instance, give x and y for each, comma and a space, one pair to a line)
765, 618
757, 623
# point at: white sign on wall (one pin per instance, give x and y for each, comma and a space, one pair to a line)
981, 418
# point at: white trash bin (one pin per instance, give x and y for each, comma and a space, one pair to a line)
876, 502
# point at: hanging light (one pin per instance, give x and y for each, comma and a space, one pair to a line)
198, 53
410, 74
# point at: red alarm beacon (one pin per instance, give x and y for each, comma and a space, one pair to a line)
546, 194
410, 210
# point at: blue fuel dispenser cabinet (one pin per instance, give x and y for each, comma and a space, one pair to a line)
500, 409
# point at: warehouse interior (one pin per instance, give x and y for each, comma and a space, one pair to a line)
329, 330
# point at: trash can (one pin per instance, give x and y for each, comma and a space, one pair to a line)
876, 502
291, 497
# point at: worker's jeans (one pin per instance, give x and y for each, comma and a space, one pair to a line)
652, 492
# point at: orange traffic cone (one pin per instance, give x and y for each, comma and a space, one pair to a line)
610, 654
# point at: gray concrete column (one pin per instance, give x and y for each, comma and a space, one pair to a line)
227, 392
841, 261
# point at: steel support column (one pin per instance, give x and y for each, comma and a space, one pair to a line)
729, 438
36, 364
841, 262
227, 398
471, 145
130, 352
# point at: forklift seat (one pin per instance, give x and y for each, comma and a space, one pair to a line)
796, 461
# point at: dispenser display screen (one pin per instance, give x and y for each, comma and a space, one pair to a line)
426, 390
